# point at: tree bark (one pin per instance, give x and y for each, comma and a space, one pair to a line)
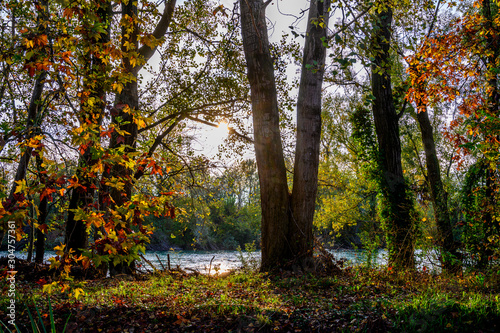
397, 206
493, 106
275, 205
305, 177
286, 224
95, 84
449, 254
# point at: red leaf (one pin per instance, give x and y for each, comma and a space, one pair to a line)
43, 228
47, 192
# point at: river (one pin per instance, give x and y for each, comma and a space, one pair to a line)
223, 261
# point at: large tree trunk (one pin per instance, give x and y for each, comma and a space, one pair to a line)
449, 254
275, 206
397, 205
286, 225
95, 86
305, 177
127, 104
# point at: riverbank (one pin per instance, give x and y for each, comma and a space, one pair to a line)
355, 299
223, 261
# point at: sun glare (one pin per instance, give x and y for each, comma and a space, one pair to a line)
224, 127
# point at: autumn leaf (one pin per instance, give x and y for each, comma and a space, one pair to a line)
47, 192
21, 186
77, 292
48, 288
43, 228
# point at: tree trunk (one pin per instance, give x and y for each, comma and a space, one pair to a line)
95, 84
42, 215
275, 206
127, 103
33, 113
32, 129
305, 177
286, 225
493, 107
397, 206
40, 235
449, 254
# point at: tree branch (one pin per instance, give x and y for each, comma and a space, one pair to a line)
157, 142
231, 129
146, 51
355, 19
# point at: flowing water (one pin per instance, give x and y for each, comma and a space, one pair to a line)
223, 261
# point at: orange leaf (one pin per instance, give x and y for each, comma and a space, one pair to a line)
47, 192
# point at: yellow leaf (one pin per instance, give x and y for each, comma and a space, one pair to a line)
29, 43
118, 87
140, 123
77, 292
21, 186
110, 249
133, 61
47, 288
59, 249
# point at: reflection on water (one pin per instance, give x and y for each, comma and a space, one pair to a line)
223, 261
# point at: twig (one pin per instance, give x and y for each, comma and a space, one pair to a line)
163, 267
148, 262
210, 267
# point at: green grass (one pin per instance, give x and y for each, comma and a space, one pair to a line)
360, 299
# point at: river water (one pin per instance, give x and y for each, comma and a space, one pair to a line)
223, 261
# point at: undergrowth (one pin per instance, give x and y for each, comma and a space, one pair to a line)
358, 299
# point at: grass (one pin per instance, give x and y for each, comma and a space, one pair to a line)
358, 300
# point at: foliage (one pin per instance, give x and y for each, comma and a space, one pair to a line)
85, 66
356, 299
347, 191
249, 261
459, 62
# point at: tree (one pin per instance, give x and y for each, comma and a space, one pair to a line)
286, 218
461, 63
35, 113
96, 33
397, 204
417, 93
348, 173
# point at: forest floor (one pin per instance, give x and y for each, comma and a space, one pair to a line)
353, 300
